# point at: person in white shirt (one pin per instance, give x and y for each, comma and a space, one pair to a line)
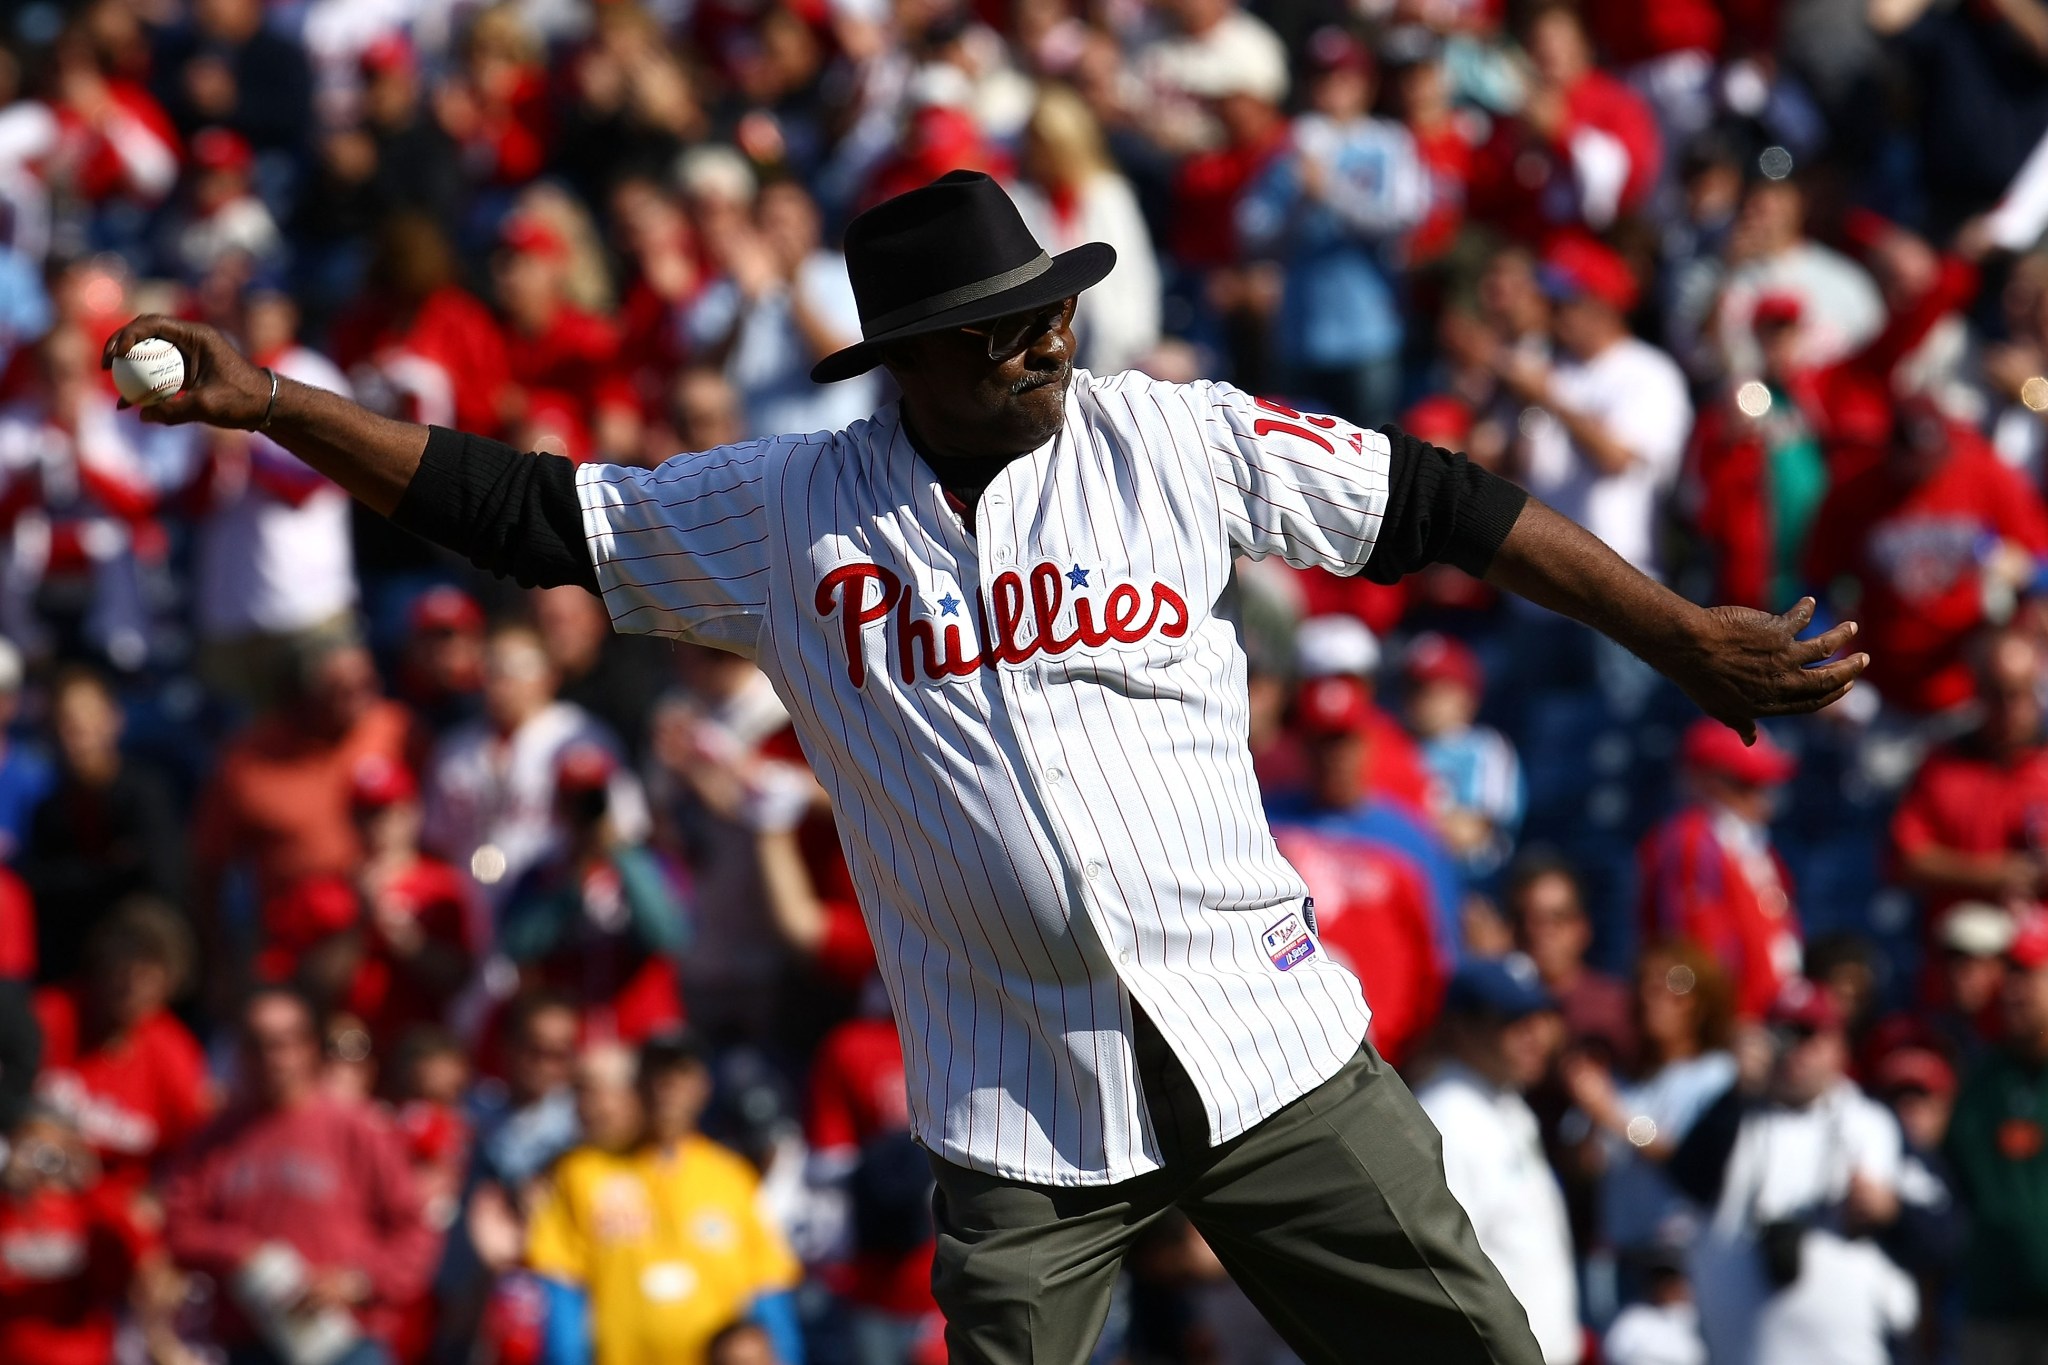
1798, 1167
1500, 1030
1611, 415
490, 791
1212, 48
276, 564
1769, 253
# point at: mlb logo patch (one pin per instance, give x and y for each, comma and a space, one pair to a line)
1288, 943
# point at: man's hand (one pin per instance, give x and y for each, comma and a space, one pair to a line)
1741, 664
221, 387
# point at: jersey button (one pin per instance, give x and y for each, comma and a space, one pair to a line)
1124, 958
1093, 870
1054, 776
997, 499
1005, 555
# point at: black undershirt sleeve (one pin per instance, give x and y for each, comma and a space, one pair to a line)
511, 513
517, 515
1441, 509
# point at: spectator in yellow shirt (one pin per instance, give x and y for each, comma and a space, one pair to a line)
651, 1243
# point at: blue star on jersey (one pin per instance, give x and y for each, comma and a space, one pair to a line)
949, 605
1077, 577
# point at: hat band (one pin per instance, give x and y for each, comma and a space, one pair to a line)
954, 298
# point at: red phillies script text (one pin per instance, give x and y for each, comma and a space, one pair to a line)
1018, 600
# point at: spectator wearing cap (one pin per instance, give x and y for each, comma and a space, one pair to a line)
1798, 1170
599, 919
1769, 253
415, 944
1338, 644
222, 221
1998, 1146
1711, 874
1612, 415
1961, 1008
276, 567
1206, 50
1373, 903
1925, 537
1337, 730
556, 351
1966, 828
1663, 1326
298, 1202
1479, 778
1919, 1087
118, 1066
1333, 211
1499, 1033
280, 804
784, 302
490, 786
440, 671
107, 830
650, 1247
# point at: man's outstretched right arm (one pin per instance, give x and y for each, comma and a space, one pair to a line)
507, 512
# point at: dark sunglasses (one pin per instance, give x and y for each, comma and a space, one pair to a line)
1013, 333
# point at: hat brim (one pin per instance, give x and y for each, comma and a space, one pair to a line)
1070, 273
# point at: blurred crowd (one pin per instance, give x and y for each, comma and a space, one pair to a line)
398, 966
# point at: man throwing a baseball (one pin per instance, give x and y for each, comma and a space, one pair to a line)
996, 611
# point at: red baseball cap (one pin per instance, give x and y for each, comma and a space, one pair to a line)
529, 236
1440, 420
1804, 1005
1332, 49
1915, 1068
1439, 658
1776, 310
583, 768
2029, 950
392, 52
221, 149
378, 782
1712, 747
1578, 266
446, 608
1333, 705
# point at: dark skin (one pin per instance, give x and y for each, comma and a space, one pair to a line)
1737, 664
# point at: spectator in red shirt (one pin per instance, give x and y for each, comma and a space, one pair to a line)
1710, 873
71, 1249
441, 671
1927, 533
117, 1064
400, 937
554, 349
1584, 150
1421, 92
280, 800
858, 1130
416, 344
496, 107
1974, 822
318, 1187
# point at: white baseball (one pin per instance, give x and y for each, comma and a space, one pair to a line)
150, 372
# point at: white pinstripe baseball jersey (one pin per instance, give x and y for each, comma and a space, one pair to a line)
1034, 737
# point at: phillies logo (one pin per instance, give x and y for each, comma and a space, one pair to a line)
1017, 623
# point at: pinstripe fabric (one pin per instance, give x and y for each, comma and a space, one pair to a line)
1055, 814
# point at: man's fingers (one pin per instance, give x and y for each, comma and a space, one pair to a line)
1804, 705
1801, 615
1813, 682
1824, 646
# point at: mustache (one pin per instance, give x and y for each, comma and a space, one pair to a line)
1038, 379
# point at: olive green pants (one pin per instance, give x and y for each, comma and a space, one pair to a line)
1332, 1215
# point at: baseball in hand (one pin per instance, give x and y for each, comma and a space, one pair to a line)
150, 372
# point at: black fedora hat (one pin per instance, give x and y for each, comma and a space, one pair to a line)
946, 255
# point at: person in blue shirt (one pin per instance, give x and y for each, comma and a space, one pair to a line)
1333, 210
26, 775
